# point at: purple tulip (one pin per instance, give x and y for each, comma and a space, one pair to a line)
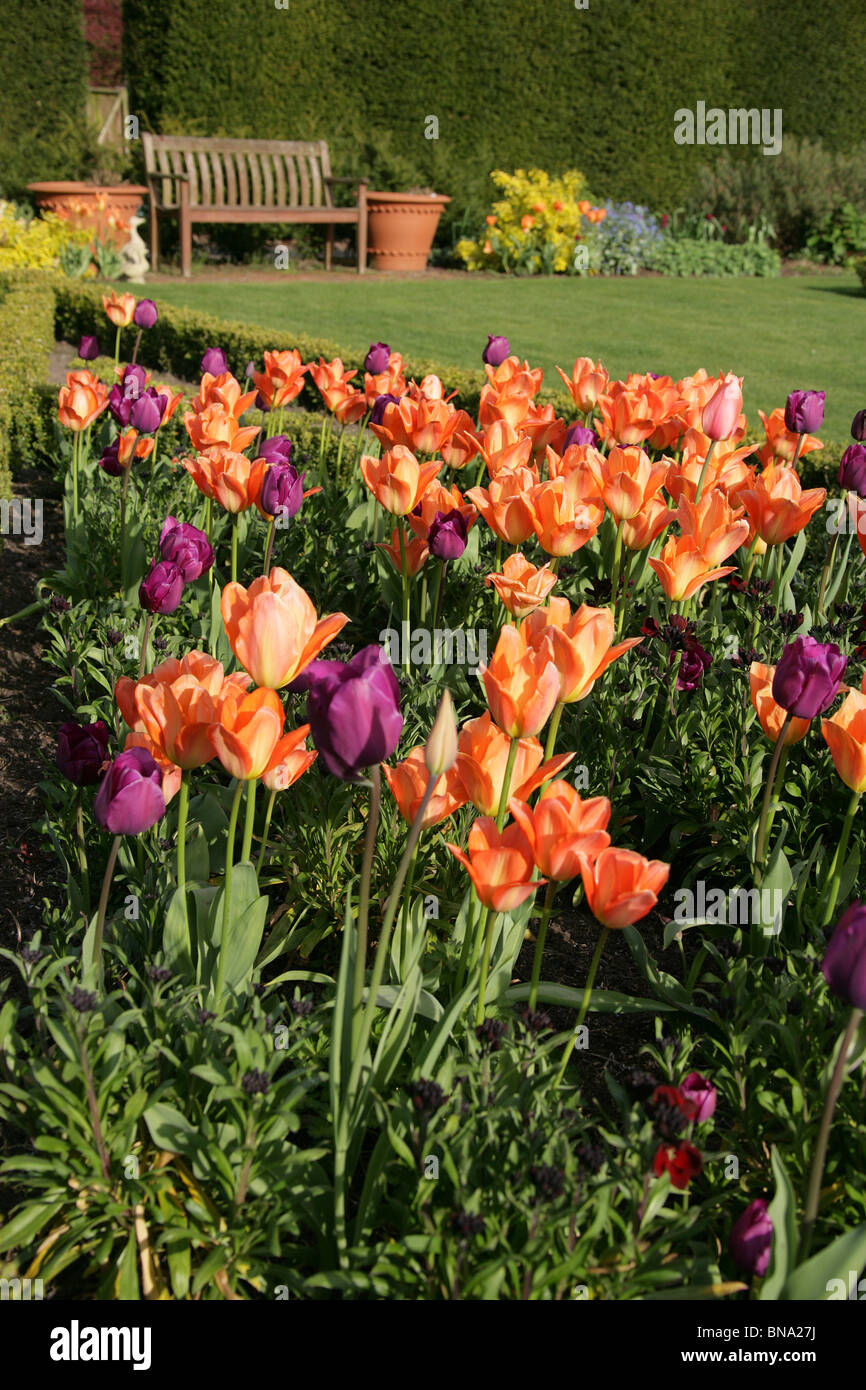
354, 712
81, 751
250, 370
186, 547
88, 348
852, 469
579, 434
751, 1237
858, 425
693, 663
378, 411
214, 361
804, 411
807, 677
147, 412
124, 394
145, 315
447, 535
702, 1095
130, 798
496, 351
377, 359
277, 448
282, 491
844, 963
162, 587
109, 459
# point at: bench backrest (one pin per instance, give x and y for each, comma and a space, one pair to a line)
240, 173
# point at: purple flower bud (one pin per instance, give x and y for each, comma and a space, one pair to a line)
579, 434
807, 676
81, 751
852, 469
378, 411
844, 963
187, 547
377, 359
804, 411
162, 587
751, 1237
447, 535
125, 393
282, 491
354, 712
130, 798
145, 315
496, 351
702, 1095
147, 412
109, 459
214, 361
88, 348
250, 370
858, 424
277, 448
693, 663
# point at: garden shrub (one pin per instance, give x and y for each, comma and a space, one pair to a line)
841, 235
35, 243
859, 266
687, 256
26, 341
535, 227
625, 239
43, 93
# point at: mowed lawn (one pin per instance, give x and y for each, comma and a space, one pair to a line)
793, 332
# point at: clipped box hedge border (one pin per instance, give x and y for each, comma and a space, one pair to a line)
27, 309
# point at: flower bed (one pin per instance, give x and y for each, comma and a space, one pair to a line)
497, 668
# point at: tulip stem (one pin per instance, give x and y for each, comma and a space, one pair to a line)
776, 765
338, 464
487, 930
364, 899
82, 854
227, 889
820, 1155
584, 1004
76, 441
117, 350
838, 864
539, 943
404, 575
553, 729
407, 898
235, 516
123, 491
506, 784
268, 545
440, 591
247, 853
182, 813
268, 814
825, 573
144, 643
702, 478
800, 438
103, 904
617, 562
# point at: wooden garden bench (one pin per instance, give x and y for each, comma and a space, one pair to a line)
214, 180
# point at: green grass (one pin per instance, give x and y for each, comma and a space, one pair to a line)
803, 332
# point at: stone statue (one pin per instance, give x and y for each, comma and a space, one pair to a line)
134, 256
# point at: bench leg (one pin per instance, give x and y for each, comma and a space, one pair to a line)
154, 234
329, 245
362, 229
185, 232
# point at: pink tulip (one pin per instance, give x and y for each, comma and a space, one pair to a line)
722, 412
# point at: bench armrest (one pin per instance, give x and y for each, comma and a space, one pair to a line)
344, 178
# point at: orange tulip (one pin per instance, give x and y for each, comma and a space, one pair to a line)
438, 499
515, 375
506, 505
544, 428
482, 758
503, 448
391, 382
79, 403
226, 476
119, 308
176, 705
649, 523
629, 481
629, 414
521, 587
499, 864
463, 443
129, 446
417, 552
588, 380
845, 735
521, 683
776, 504
332, 380
622, 886
408, 782
714, 524
682, 568
580, 644
562, 522
781, 442
248, 734
215, 426
172, 401
770, 715
294, 761
172, 775
283, 378
582, 465
397, 480
562, 829
224, 390
272, 627
726, 470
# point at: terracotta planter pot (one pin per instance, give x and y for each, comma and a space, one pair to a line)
401, 228
92, 205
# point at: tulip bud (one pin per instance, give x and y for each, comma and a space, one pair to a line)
81, 750
109, 460
750, 1239
579, 434
804, 411
145, 315
162, 587
277, 448
721, 413
282, 491
496, 351
378, 411
377, 359
844, 963
214, 361
447, 535
353, 709
130, 798
806, 679
147, 412
858, 426
852, 469
440, 750
88, 348
702, 1095
187, 547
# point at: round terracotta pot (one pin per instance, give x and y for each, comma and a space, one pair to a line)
65, 198
401, 228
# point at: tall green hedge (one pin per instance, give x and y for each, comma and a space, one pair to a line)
530, 82
43, 92
26, 340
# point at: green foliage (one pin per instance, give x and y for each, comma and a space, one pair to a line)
841, 235
26, 340
43, 93
682, 256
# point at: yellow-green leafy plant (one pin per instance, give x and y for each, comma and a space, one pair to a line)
34, 243
543, 224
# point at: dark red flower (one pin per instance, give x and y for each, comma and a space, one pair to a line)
682, 1161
